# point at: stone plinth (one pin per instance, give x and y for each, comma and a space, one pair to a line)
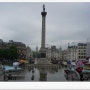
43, 61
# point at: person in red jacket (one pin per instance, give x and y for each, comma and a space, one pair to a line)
79, 70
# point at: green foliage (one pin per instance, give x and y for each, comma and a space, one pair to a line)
10, 53
36, 54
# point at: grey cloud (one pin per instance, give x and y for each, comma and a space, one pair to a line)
64, 22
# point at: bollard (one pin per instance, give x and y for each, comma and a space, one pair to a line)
32, 78
81, 77
4, 77
33, 71
14, 78
72, 77
9, 77
15, 68
4, 73
67, 71
29, 69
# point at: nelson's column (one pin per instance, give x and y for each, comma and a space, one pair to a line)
43, 49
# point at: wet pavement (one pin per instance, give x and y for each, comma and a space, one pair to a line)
41, 74
45, 75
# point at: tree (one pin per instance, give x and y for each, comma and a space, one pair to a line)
36, 54
8, 54
12, 53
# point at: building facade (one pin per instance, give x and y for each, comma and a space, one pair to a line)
88, 50
72, 53
28, 53
64, 55
21, 47
54, 52
60, 53
82, 49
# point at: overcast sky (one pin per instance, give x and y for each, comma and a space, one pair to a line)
65, 22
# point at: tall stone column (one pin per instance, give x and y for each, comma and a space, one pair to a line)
43, 49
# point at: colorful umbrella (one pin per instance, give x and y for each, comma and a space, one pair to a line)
80, 64
16, 63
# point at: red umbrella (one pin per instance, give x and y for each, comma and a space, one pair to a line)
80, 63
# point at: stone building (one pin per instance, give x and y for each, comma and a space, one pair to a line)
72, 53
36, 48
21, 47
28, 52
48, 54
64, 55
88, 50
81, 53
60, 53
53, 52
3, 45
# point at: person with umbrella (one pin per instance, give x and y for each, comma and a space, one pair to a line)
16, 64
79, 69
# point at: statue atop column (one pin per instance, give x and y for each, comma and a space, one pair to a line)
43, 7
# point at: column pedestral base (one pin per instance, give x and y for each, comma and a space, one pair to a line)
43, 61
43, 54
